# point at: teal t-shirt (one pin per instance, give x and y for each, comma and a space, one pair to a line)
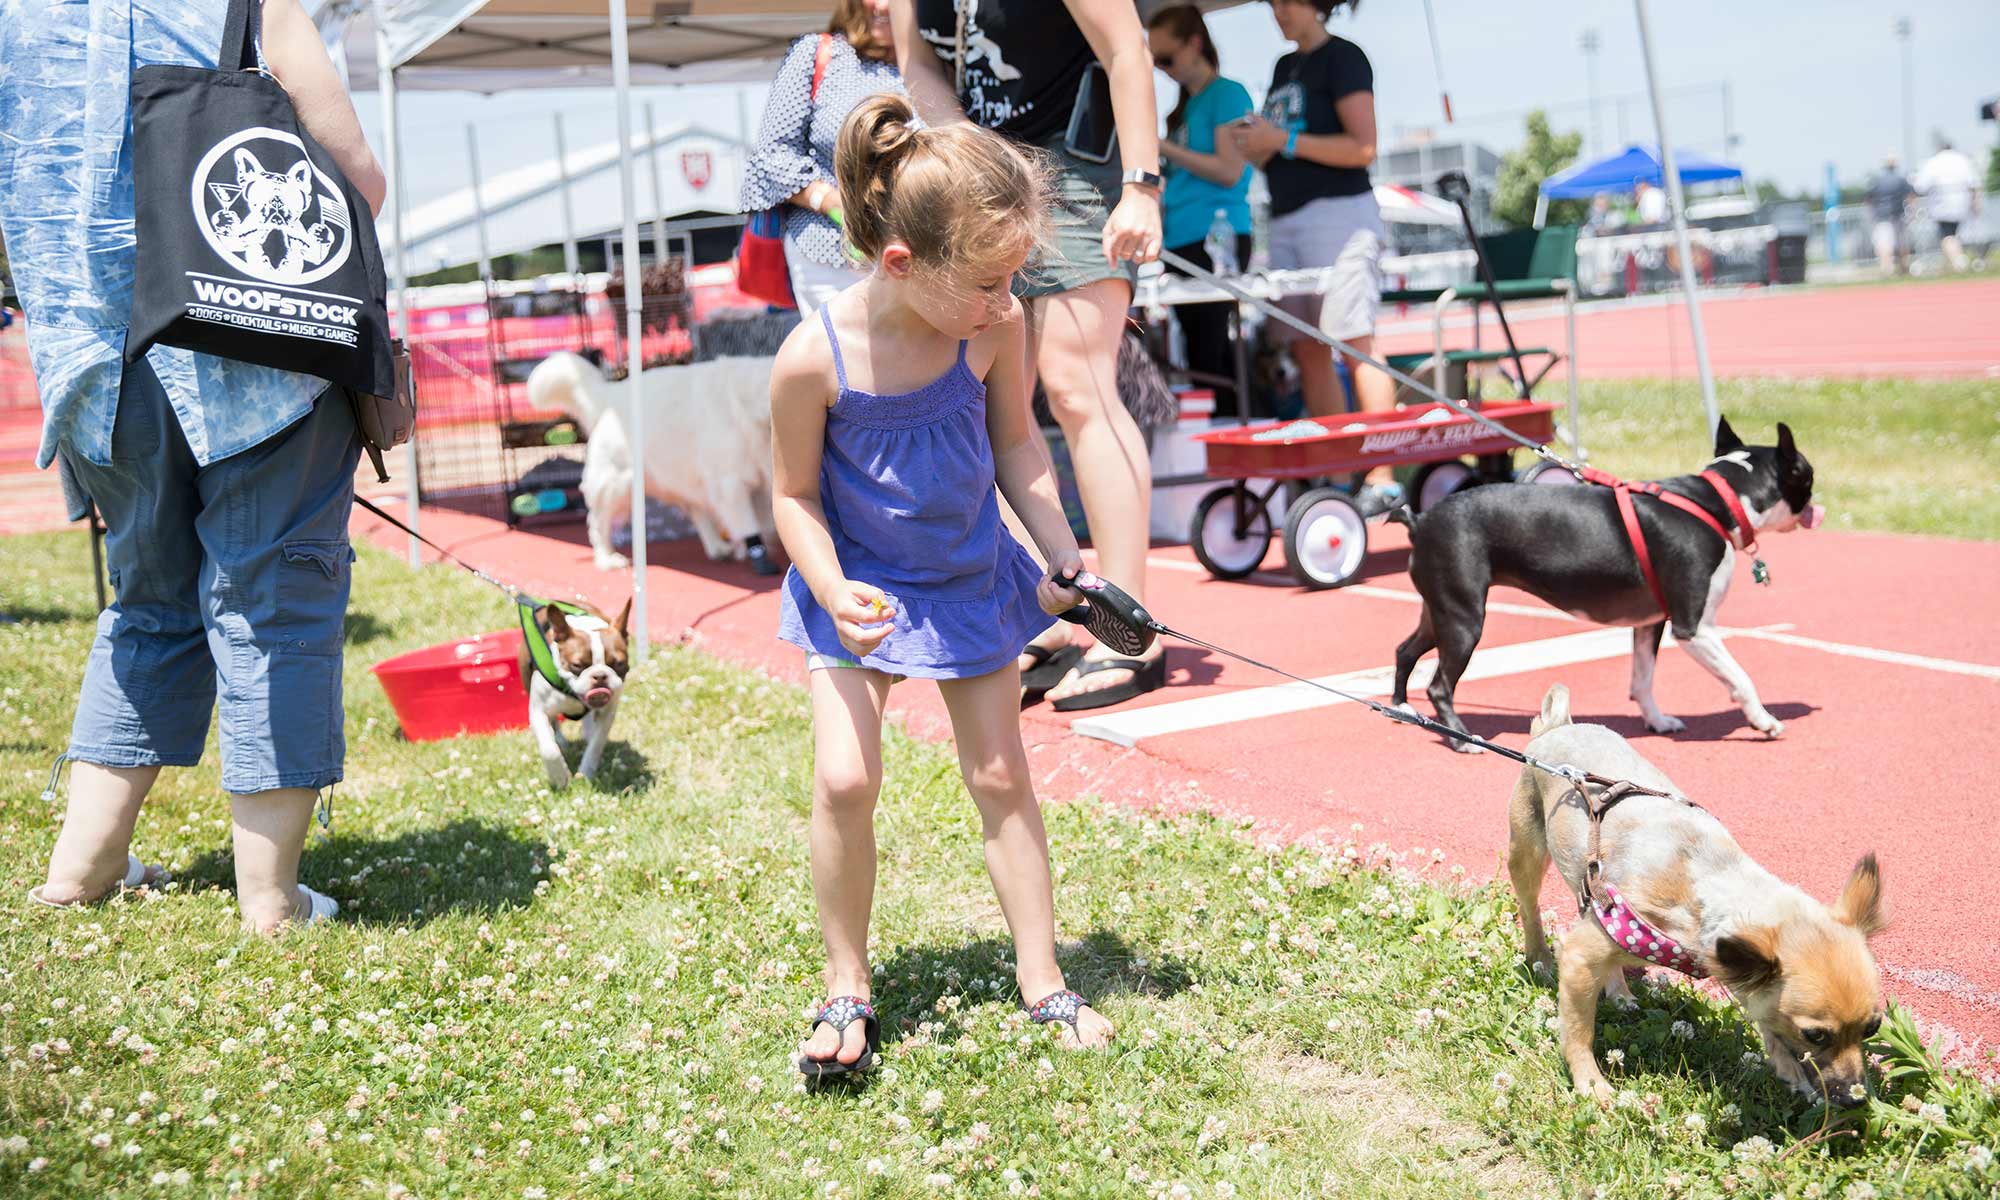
1190, 201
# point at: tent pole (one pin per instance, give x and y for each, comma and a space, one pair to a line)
659, 205
385, 72
570, 261
478, 203
1674, 199
635, 413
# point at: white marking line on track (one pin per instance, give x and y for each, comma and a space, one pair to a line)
1769, 633
1130, 728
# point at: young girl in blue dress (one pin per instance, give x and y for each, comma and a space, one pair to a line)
894, 414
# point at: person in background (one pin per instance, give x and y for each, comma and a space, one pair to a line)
1649, 203
1890, 197
1950, 188
1207, 180
1603, 219
1315, 142
224, 487
792, 162
1018, 69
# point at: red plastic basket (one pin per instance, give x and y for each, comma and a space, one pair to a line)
472, 685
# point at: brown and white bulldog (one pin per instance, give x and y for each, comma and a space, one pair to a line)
590, 660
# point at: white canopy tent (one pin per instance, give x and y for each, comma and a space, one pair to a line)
495, 45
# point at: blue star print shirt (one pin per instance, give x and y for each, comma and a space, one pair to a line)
66, 215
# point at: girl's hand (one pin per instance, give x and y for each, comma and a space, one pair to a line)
1256, 139
1133, 229
862, 616
1054, 597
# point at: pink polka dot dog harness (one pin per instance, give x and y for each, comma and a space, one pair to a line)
1620, 922
1635, 937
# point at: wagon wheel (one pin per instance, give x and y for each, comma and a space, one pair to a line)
1325, 538
1437, 480
1549, 474
1212, 533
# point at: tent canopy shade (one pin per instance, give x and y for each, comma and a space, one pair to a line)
1631, 166
500, 45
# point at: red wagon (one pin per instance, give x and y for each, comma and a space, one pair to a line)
1325, 537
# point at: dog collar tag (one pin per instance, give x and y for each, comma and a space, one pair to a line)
1759, 572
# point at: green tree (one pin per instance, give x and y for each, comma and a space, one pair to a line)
1522, 170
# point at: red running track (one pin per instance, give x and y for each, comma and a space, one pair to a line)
1943, 329
1889, 756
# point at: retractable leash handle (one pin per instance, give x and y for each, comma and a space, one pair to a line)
1110, 614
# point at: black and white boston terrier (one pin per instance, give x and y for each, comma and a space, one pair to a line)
1573, 547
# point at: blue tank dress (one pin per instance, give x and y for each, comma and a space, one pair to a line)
907, 485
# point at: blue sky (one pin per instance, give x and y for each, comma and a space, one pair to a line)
1808, 83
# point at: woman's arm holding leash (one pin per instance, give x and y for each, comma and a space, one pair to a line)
923, 71
1021, 461
798, 434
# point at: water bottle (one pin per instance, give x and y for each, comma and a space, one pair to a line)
1221, 244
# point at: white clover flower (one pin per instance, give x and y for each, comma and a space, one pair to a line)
1502, 1081
937, 1181
1682, 1030
133, 1149
101, 1140
1933, 1113
1225, 1190
1614, 1057
933, 1100
1860, 1190
1753, 1149
1695, 1124
876, 1166
1978, 1159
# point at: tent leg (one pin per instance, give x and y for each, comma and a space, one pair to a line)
1673, 179
621, 76
400, 279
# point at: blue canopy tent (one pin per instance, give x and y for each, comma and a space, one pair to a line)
1623, 171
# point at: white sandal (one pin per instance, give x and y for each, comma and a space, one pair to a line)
137, 875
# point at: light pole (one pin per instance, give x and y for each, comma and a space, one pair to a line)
1588, 42
1909, 128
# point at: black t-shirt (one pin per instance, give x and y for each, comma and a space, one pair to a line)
1304, 88
1022, 62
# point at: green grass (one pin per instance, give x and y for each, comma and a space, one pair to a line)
1895, 456
596, 993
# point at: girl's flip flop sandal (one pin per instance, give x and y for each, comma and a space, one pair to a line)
840, 1012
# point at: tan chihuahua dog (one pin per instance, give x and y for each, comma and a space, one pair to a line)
1676, 890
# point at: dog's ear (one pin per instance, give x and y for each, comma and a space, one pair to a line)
1787, 448
1725, 437
1748, 960
301, 174
624, 616
246, 166
1860, 902
558, 627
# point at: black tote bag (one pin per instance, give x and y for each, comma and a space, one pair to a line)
251, 243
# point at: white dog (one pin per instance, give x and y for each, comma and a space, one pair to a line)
708, 449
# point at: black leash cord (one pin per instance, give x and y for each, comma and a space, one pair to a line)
513, 593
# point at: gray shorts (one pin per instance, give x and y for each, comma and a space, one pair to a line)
1342, 232
1077, 259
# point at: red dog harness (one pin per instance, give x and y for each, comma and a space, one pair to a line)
1630, 515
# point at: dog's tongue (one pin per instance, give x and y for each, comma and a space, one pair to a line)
1814, 514
597, 697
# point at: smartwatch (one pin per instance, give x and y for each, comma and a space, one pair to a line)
1142, 178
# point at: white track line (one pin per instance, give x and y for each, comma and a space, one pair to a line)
1768, 633
1130, 728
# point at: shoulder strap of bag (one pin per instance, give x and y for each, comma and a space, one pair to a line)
820, 57
240, 31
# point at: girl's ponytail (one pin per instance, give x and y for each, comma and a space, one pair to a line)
875, 141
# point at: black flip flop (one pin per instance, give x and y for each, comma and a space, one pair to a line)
1147, 676
840, 1012
1051, 668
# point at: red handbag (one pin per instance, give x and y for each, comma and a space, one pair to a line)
761, 272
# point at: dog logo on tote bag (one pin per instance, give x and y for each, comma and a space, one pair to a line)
266, 209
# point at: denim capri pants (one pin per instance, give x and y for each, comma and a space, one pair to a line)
231, 592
